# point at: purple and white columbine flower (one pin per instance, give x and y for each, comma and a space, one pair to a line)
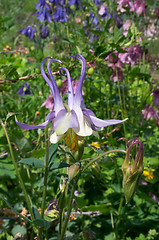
24, 90
73, 116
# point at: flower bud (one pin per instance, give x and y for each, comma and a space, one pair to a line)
73, 170
132, 170
80, 149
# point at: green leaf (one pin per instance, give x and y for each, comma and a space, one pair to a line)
37, 153
18, 229
41, 223
35, 162
7, 169
36, 213
59, 165
52, 154
14, 210
23, 144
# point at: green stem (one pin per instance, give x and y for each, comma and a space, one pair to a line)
69, 209
46, 172
62, 213
101, 155
17, 171
121, 106
112, 221
119, 212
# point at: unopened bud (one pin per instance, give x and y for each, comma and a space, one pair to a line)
132, 171
73, 170
80, 149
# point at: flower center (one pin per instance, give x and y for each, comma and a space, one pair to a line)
71, 139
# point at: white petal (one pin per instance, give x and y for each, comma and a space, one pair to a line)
54, 138
69, 120
84, 128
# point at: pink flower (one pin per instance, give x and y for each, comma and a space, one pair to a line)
125, 3
49, 103
116, 65
130, 57
149, 112
139, 6
64, 88
156, 97
126, 27
142, 182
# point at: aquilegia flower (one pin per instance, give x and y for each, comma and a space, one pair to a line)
24, 90
44, 11
132, 170
60, 15
29, 32
74, 116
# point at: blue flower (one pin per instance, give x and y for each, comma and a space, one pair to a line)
24, 90
44, 11
29, 32
74, 116
95, 20
44, 32
60, 15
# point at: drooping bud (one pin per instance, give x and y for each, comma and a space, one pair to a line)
73, 170
132, 170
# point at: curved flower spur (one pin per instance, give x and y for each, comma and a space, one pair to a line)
75, 115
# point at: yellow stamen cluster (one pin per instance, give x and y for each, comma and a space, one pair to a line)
71, 139
148, 174
24, 89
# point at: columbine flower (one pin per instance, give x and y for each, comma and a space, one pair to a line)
125, 3
24, 90
29, 32
149, 112
148, 174
74, 116
44, 32
60, 15
139, 6
49, 103
116, 65
44, 11
132, 170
